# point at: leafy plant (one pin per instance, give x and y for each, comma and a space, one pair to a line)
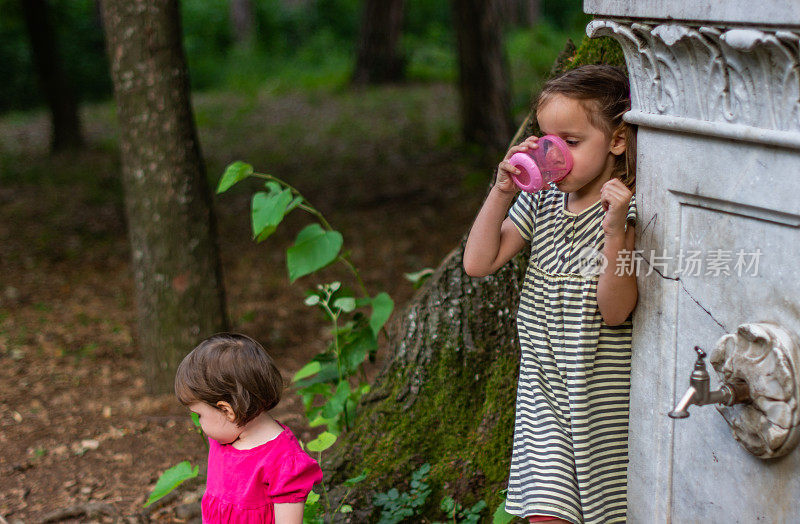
315, 511
458, 514
400, 506
356, 317
316, 508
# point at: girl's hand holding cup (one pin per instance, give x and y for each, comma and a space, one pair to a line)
505, 170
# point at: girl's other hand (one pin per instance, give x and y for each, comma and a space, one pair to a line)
615, 198
504, 182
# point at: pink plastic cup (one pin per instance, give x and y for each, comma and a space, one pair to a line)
548, 163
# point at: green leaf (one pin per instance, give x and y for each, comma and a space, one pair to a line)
312, 509
355, 480
268, 210
322, 442
343, 331
346, 304
362, 390
195, 419
342, 391
312, 300
448, 505
310, 393
421, 472
328, 373
354, 348
171, 479
312, 368
336, 404
313, 412
501, 516
382, 306
313, 249
235, 172
322, 421
273, 186
346, 508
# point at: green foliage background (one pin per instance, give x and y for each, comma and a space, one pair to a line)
304, 44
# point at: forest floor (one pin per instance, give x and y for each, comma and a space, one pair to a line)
79, 434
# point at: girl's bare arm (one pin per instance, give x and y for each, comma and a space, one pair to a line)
616, 290
617, 293
494, 239
289, 513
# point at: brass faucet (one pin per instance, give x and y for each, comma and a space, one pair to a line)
699, 394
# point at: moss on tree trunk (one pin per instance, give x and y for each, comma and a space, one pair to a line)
447, 397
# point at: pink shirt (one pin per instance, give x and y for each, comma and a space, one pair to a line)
244, 485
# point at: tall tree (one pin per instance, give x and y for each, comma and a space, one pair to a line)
520, 13
446, 392
379, 59
171, 225
52, 79
483, 73
243, 21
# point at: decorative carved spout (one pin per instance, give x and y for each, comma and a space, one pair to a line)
766, 357
759, 367
699, 393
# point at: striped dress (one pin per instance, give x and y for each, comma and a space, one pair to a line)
571, 427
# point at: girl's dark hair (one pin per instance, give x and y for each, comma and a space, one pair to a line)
604, 92
232, 368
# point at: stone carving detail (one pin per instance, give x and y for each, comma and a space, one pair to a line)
764, 356
738, 76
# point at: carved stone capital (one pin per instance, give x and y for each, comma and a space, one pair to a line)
737, 83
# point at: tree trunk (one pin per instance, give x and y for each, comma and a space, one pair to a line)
379, 59
171, 226
520, 13
54, 83
243, 22
531, 12
483, 73
446, 394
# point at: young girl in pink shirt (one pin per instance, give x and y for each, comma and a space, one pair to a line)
257, 471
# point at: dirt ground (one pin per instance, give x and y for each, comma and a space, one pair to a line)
80, 438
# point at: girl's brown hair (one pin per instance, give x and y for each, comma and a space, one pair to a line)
231, 368
604, 92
